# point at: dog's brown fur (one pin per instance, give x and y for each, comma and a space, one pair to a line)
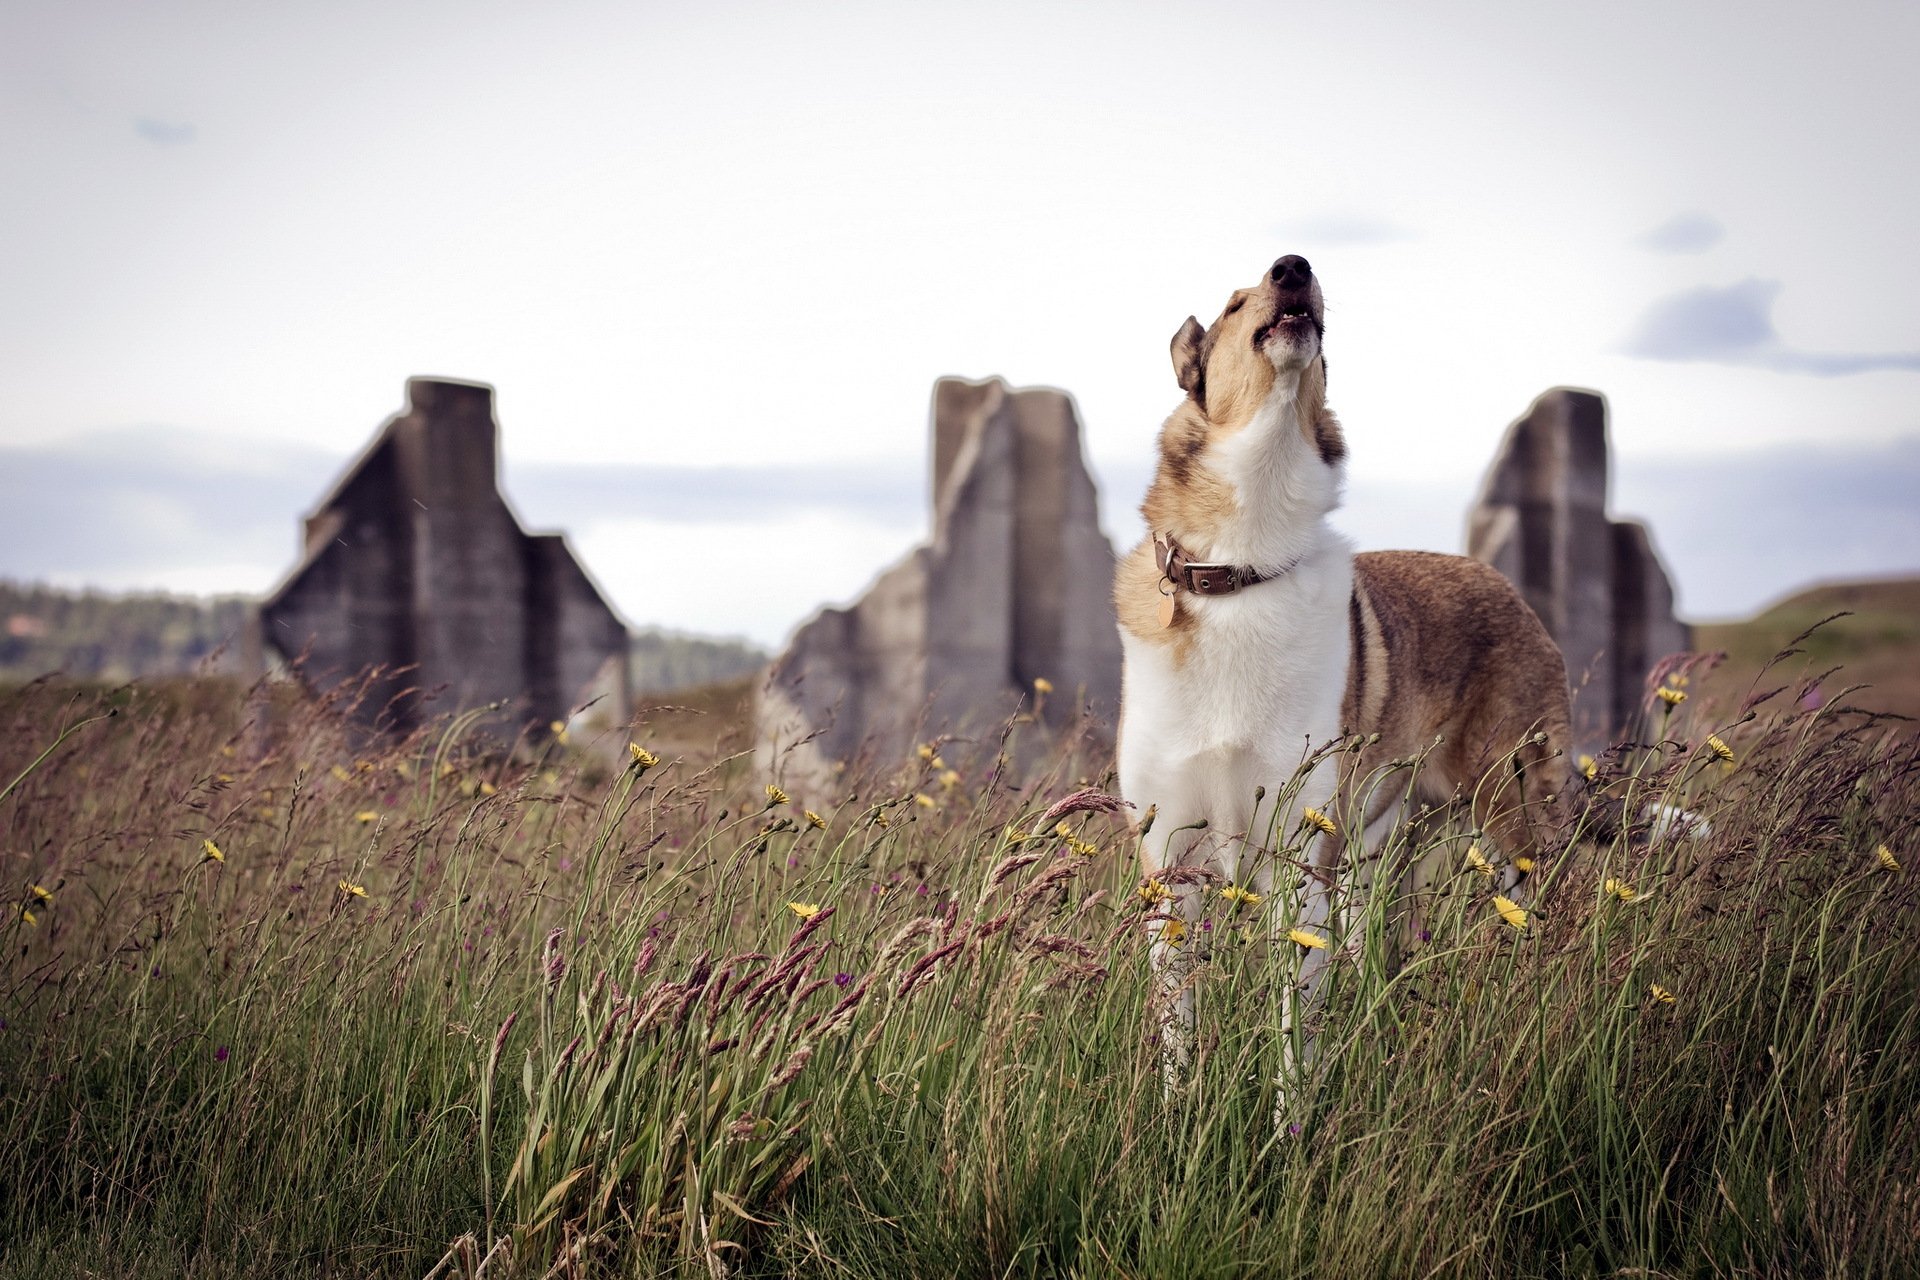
1445, 651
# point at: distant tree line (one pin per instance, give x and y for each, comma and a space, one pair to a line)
91, 635
94, 635
664, 660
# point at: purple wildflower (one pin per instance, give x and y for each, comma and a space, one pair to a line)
842, 979
220, 1054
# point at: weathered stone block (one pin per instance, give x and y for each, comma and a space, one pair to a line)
1016, 585
415, 567
1598, 585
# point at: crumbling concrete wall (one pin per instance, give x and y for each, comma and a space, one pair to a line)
1597, 584
1015, 586
414, 560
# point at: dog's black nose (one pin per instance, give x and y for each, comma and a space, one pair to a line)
1291, 272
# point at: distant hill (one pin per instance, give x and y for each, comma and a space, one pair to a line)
92, 635
1878, 645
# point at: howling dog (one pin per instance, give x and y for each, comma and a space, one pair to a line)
1268, 668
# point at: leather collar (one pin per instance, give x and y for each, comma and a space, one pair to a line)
1205, 578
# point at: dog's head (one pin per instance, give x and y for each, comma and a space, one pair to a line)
1275, 327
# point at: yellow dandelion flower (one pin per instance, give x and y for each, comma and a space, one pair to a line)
643, 759
1234, 893
28, 917
1510, 911
212, 852
44, 895
1589, 768
926, 751
1152, 891
937, 763
1524, 864
1672, 697
949, 780
1315, 818
776, 796
1678, 679
559, 728
1477, 861
1173, 932
1042, 685
882, 820
815, 820
1311, 941
487, 788
227, 751
446, 770
1719, 748
340, 774
224, 777
1062, 830
805, 910
1085, 848
1886, 859
924, 800
365, 816
1660, 993
352, 890
1621, 890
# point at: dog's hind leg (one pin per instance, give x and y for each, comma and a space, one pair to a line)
1523, 804
1301, 1003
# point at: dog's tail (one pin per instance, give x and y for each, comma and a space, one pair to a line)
1602, 816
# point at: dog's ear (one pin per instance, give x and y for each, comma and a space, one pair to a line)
1186, 357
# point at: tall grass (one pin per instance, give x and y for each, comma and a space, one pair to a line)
432, 1010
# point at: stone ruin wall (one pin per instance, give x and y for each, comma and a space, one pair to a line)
1015, 585
414, 560
1597, 583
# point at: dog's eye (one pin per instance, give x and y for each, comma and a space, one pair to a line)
1235, 305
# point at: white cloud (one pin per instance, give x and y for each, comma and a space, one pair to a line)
1684, 233
1734, 325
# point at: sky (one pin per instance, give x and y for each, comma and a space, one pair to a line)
714, 257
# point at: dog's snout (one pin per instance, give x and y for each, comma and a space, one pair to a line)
1291, 272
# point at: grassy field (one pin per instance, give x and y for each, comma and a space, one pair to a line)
280, 1003
1875, 647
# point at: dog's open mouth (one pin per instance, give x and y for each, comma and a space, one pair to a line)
1294, 319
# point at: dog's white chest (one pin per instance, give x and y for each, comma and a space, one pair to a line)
1260, 686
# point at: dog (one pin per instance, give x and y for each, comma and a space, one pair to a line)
1269, 669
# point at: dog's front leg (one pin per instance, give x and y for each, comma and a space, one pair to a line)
1174, 955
